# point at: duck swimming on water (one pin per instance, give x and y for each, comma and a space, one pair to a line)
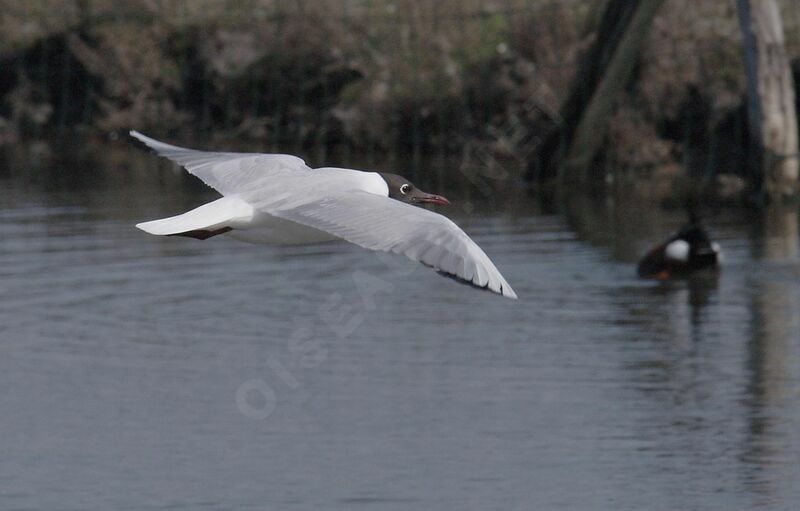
687, 251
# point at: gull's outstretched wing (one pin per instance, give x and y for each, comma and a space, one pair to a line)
384, 224
228, 173
332, 200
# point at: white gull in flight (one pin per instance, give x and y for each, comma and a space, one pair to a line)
278, 199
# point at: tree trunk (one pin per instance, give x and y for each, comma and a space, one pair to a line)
569, 150
771, 113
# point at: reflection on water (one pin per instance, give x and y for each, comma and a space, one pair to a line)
131, 366
773, 343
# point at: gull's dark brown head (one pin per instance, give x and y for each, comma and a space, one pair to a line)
404, 190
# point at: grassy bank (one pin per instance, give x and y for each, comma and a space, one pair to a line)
424, 76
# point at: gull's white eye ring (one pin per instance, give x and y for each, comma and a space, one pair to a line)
404, 189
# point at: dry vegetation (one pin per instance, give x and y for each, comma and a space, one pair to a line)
379, 75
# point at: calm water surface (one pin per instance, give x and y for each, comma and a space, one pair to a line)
144, 373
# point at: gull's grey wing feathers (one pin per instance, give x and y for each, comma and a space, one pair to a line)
284, 186
384, 224
228, 173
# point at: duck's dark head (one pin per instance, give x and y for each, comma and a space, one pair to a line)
693, 233
404, 190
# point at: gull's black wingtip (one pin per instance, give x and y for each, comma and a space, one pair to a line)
503, 292
138, 140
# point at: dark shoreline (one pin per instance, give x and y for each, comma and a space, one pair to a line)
482, 86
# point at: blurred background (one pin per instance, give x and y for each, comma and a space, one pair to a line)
458, 79
146, 373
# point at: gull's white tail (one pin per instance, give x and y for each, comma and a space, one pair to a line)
208, 220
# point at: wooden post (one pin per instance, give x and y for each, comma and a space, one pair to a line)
589, 133
771, 114
605, 69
